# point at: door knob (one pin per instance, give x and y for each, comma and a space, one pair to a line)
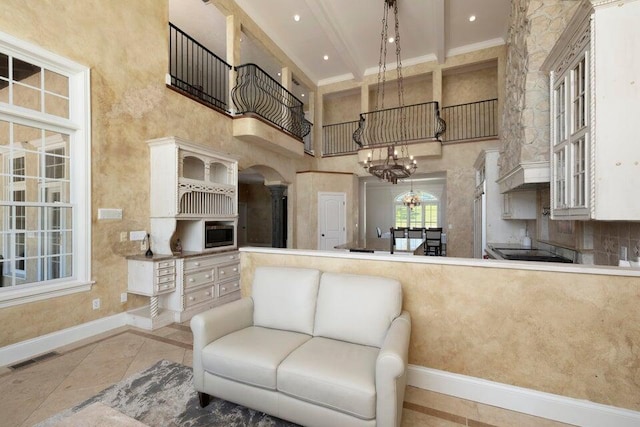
323, 235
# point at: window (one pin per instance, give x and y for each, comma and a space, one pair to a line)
44, 170
423, 216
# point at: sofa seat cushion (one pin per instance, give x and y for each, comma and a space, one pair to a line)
334, 374
251, 355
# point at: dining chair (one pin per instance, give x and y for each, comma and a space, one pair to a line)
397, 233
433, 241
417, 233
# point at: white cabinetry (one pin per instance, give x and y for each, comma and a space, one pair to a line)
189, 183
595, 104
489, 225
178, 288
207, 281
519, 204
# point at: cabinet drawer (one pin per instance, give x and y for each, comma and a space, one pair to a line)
165, 264
166, 286
165, 279
198, 296
197, 278
228, 287
199, 263
228, 271
166, 271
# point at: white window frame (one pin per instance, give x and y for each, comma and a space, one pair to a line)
78, 127
434, 201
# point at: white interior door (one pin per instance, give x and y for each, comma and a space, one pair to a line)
332, 213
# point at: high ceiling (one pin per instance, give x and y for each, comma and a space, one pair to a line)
348, 32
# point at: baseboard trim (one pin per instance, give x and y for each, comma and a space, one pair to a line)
540, 404
24, 350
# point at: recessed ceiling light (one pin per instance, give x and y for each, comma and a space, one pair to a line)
302, 95
326, 57
296, 18
391, 39
279, 74
472, 18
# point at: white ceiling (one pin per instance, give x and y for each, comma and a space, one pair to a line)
348, 31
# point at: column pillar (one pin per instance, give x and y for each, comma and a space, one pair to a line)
278, 216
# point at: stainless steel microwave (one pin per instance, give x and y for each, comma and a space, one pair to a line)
218, 234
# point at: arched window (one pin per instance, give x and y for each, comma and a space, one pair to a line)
427, 214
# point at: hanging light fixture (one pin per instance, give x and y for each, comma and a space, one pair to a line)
397, 164
411, 199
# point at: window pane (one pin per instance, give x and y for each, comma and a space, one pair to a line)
560, 179
416, 217
401, 216
579, 175
27, 137
56, 105
4, 69
26, 73
27, 97
56, 83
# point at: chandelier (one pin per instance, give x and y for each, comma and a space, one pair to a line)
411, 199
397, 164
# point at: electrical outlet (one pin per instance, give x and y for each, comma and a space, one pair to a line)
123, 236
123, 297
96, 304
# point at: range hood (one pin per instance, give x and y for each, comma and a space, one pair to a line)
525, 176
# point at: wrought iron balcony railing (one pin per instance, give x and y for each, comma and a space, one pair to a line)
471, 121
197, 71
338, 138
474, 120
258, 93
398, 125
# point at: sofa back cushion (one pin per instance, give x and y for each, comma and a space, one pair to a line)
285, 298
356, 308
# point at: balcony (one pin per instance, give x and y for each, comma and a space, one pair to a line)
263, 111
423, 128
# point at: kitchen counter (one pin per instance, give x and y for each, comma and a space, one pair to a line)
518, 252
176, 255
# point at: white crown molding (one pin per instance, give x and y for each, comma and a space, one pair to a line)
475, 46
532, 402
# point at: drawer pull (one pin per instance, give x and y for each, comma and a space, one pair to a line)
221, 271
197, 264
207, 293
235, 269
235, 285
191, 299
223, 289
191, 280
208, 276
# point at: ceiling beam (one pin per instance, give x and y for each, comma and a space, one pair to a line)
439, 30
322, 12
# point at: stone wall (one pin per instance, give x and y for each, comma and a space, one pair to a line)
534, 28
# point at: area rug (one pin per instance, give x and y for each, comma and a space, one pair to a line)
163, 395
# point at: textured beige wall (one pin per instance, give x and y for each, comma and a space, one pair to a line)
125, 43
341, 107
307, 204
470, 86
570, 334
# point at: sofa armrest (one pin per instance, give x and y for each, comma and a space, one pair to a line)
391, 372
212, 324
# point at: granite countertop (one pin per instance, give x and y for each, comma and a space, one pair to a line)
176, 255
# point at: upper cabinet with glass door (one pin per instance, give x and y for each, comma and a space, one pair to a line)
595, 104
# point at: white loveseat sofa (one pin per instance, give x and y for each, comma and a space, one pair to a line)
317, 349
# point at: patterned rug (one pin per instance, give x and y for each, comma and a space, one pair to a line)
163, 395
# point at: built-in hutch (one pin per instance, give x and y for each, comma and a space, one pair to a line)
190, 185
595, 93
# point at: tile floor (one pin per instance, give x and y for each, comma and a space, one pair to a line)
38, 390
